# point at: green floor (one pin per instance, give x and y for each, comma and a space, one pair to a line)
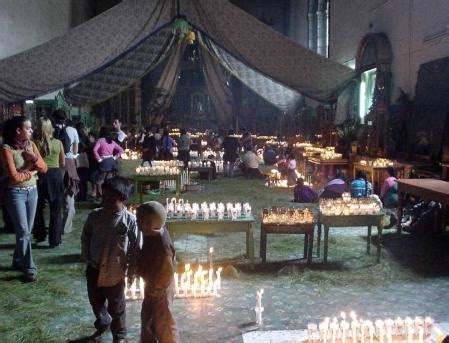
55, 308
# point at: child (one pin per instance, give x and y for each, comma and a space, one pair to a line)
110, 245
156, 267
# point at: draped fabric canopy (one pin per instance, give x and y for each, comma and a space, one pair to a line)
97, 59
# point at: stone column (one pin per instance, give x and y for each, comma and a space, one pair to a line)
321, 44
312, 30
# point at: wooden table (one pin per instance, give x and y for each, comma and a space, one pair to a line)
141, 179
376, 175
326, 167
427, 190
305, 229
368, 220
243, 224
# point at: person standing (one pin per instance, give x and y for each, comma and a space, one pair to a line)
120, 136
70, 140
21, 162
50, 186
230, 146
82, 161
110, 246
106, 152
167, 144
184, 148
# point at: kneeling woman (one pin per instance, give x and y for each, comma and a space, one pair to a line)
21, 162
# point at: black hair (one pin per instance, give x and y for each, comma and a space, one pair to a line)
59, 116
391, 171
183, 131
361, 175
106, 134
300, 181
119, 185
248, 147
230, 132
165, 133
10, 128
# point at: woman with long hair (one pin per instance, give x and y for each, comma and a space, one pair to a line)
106, 152
21, 161
82, 161
50, 186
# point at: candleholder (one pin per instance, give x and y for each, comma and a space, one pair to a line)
259, 311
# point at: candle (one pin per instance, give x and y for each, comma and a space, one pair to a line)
259, 298
211, 280
219, 277
311, 330
334, 329
420, 335
323, 331
354, 326
344, 329
439, 334
389, 330
399, 324
428, 324
380, 330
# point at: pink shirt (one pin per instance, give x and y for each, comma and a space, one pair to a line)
388, 183
103, 149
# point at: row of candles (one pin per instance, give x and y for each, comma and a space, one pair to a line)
157, 170
131, 155
353, 206
359, 330
378, 162
183, 209
199, 283
287, 216
276, 180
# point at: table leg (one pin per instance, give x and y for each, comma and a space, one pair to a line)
310, 247
263, 245
306, 245
251, 245
443, 218
318, 239
401, 196
379, 240
368, 241
326, 239
178, 186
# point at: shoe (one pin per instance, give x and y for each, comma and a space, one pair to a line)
99, 334
30, 277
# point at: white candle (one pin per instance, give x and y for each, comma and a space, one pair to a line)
323, 330
334, 329
389, 330
183, 284
428, 324
420, 335
344, 330
259, 298
380, 330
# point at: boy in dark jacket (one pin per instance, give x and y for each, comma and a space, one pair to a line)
156, 266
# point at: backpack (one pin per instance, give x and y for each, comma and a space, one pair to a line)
61, 134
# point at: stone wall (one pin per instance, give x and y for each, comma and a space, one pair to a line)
418, 31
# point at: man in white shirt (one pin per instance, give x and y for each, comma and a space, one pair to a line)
251, 164
121, 136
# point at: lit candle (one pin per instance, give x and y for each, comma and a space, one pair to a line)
420, 335
183, 284
259, 298
380, 330
354, 326
218, 272
389, 330
188, 273
344, 330
323, 330
439, 334
428, 324
334, 329
399, 324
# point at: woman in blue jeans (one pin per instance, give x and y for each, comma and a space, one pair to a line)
21, 162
